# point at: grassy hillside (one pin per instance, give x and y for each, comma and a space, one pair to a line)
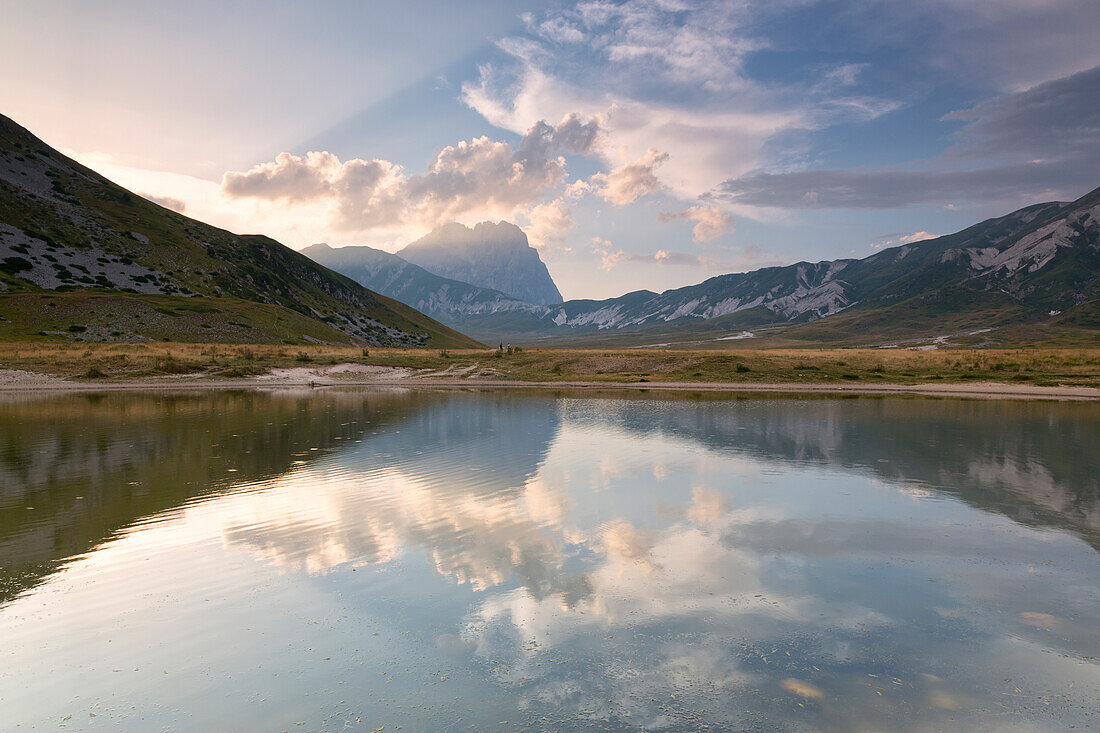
65, 228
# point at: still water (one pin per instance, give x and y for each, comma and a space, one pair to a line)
385, 560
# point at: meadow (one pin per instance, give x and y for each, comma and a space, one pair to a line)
123, 362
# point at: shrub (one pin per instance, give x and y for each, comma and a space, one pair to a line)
171, 365
303, 357
77, 329
741, 368
94, 372
12, 265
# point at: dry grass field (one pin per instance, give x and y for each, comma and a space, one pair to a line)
106, 362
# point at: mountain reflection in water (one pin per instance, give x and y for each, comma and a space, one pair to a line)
554, 562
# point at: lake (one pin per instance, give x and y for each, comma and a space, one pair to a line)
419, 560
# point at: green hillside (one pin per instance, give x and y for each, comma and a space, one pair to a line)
121, 267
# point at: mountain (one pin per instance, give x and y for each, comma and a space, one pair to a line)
450, 301
495, 256
1033, 265
1033, 275
82, 258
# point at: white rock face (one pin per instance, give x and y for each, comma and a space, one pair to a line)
1033, 251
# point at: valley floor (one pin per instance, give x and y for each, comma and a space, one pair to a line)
1036, 372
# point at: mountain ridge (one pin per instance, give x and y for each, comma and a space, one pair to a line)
1038, 264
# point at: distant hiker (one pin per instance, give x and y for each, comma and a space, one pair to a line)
501, 347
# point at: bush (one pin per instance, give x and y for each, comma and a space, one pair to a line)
95, 372
741, 368
12, 265
303, 357
171, 365
242, 371
77, 329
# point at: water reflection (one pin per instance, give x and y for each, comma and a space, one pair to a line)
556, 563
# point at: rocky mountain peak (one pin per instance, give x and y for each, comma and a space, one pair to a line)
490, 255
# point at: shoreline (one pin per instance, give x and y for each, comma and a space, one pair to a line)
971, 390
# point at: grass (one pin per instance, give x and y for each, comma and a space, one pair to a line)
128, 361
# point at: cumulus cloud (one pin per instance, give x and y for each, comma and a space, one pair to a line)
480, 178
609, 257
549, 223
291, 177
630, 181
711, 221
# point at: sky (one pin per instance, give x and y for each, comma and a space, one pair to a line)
648, 144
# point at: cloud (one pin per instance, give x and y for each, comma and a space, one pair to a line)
1040, 143
674, 76
663, 76
166, 201
711, 221
1052, 121
549, 223
890, 240
479, 178
630, 181
889, 189
610, 257
290, 177
558, 30
1005, 45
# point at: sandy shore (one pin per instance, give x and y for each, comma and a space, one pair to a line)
10, 381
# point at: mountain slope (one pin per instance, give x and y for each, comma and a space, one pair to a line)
67, 230
494, 256
450, 301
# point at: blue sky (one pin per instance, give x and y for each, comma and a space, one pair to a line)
640, 145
